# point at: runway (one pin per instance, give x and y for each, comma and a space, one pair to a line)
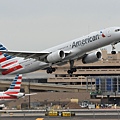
64, 118
79, 115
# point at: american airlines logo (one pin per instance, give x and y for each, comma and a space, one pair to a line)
85, 41
103, 35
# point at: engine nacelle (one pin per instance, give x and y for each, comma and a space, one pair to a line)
56, 56
92, 57
19, 95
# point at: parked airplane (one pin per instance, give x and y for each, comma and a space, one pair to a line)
80, 48
13, 93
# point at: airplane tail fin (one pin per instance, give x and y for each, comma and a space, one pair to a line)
4, 56
15, 86
2, 47
8, 63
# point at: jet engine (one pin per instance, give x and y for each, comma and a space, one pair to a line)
20, 95
92, 57
55, 56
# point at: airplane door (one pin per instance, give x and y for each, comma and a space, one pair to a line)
108, 33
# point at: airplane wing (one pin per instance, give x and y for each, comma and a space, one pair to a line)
35, 55
25, 54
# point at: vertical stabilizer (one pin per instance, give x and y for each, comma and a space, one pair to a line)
8, 64
15, 86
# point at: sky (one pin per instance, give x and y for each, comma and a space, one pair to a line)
35, 25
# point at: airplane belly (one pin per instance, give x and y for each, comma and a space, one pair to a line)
75, 53
29, 68
37, 65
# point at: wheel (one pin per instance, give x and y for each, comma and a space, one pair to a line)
73, 69
113, 52
49, 70
70, 75
53, 69
70, 72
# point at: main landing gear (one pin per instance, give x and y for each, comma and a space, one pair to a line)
113, 49
72, 69
50, 70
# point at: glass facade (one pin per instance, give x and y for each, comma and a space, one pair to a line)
108, 84
98, 83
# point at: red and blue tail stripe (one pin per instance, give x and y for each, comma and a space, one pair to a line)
15, 85
4, 56
8, 62
2, 47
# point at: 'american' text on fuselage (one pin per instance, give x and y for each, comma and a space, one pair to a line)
85, 41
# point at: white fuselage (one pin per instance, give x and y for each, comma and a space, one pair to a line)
6, 98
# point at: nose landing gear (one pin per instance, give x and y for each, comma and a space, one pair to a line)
72, 69
113, 49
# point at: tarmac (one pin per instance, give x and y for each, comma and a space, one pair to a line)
101, 116
92, 114
62, 118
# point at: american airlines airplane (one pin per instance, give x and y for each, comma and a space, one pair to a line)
84, 48
13, 93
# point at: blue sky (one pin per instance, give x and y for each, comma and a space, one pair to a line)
34, 25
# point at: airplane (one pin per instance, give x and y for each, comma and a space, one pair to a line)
13, 93
85, 48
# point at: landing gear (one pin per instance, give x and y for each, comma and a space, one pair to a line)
113, 52
50, 70
72, 69
113, 49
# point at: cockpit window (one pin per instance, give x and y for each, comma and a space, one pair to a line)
117, 30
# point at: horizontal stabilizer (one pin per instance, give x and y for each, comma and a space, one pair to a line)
19, 94
2, 69
30, 94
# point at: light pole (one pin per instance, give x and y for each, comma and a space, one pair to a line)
29, 95
46, 104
